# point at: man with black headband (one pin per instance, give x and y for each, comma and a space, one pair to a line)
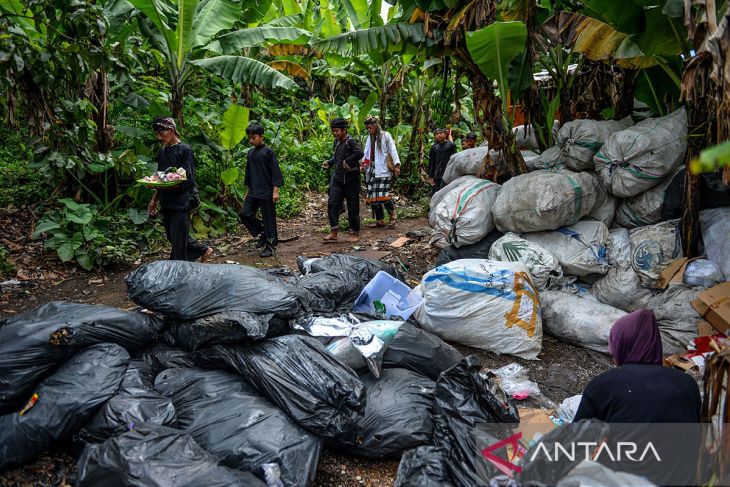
438, 158
345, 181
176, 200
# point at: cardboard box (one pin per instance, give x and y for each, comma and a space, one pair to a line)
678, 361
705, 328
714, 306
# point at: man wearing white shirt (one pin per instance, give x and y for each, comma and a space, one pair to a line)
380, 164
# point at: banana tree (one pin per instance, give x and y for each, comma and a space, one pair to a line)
194, 40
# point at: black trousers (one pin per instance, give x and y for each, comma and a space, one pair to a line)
378, 209
438, 184
177, 230
344, 187
265, 225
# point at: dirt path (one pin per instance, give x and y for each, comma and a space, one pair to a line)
562, 371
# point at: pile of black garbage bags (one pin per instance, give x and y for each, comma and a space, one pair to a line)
210, 383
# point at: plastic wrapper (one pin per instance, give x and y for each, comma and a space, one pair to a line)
62, 403
298, 375
153, 455
160, 357
33, 344
188, 290
397, 416
514, 381
234, 422
424, 466
369, 339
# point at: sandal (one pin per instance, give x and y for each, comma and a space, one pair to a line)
393, 221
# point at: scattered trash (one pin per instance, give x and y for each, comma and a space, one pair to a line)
581, 248
386, 297
397, 416
590, 474
34, 343
640, 157
514, 381
64, 401
569, 407
297, 374
544, 200
234, 422
485, 304
544, 268
155, 455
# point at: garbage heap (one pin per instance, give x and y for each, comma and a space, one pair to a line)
590, 233
231, 375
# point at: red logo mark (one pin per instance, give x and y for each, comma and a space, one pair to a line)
506, 467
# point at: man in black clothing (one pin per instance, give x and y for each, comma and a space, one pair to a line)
345, 181
175, 201
438, 158
263, 179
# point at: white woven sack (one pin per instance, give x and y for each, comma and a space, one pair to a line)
543, 266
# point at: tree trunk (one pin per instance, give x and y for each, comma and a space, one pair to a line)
99, 96
625, 104
176, 103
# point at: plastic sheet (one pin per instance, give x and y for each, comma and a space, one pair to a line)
231, 420
154, 455
188, 290
365, 268
160, 357
397, 416
34, 343
514, 381
298, 375
65, 401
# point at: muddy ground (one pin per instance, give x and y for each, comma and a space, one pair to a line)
561, 371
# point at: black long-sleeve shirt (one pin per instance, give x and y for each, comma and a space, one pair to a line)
438, 158
262, 173
348, 154
178, 155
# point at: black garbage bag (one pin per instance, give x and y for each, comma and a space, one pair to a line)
33, 344
365, 268
471, 413
136, 402
153, 455
542, 471
397, 416
712, 194
329, 291
63, 403
231, 420
161, 356
420, 351
424, 466
298, 375
188, 290
228, 327
478, 250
